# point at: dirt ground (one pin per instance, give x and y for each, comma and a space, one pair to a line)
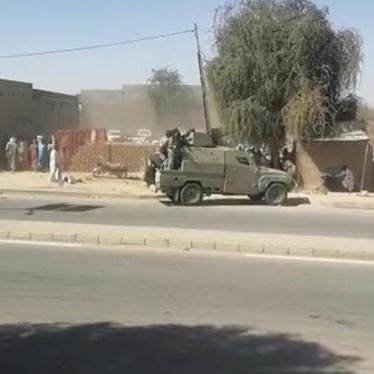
85, 183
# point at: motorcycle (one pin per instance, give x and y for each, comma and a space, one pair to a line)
104, 167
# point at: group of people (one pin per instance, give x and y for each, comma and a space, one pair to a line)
33, 154
262, 157
24, 154
16, 154
170, 149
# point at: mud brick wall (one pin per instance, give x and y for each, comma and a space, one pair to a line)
130, 154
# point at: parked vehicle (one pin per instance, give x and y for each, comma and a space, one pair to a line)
114, 136
207, 169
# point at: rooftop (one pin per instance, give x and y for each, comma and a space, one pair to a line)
347, 131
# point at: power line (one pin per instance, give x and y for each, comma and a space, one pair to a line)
96, 46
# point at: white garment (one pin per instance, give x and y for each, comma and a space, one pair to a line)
349, 181
53, 158
54, 166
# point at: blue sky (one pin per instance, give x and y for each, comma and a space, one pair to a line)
33, 25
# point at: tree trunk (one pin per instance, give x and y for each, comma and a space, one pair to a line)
274, 153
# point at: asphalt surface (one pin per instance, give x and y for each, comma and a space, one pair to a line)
85, 310
220, 214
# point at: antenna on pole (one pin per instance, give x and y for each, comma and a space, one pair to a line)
203, 82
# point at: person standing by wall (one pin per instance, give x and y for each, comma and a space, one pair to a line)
42, 155
54, 165
33, 155
11, 150
3, 158
348, 181
21, 153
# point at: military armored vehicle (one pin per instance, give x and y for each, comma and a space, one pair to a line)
206, 169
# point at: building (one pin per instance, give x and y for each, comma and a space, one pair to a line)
25, 111
130, 109
350, 145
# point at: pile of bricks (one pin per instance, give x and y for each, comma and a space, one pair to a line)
129, 154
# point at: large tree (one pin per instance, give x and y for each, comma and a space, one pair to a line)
281, 67
168, 93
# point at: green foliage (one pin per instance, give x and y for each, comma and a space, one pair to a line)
308, 114
168, 93
165, 78
280, 66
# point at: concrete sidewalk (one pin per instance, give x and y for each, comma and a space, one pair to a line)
250, 243
343, 200
32, 183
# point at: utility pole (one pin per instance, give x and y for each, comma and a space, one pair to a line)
364, 168
203, 82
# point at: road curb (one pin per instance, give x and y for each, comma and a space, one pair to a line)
80, 195
129, 196
343, 205
188, 245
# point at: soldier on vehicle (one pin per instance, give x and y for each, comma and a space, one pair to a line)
174, 149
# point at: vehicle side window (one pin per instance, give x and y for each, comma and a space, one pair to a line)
243, 160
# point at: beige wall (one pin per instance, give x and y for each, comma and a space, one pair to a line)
28, 112
15, 107
137, 110
317, 157
131, 109
53, 111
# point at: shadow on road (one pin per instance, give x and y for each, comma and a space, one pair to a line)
60, 207
108, 348
65, 207
291, 202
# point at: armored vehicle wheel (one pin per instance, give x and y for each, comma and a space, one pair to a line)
191, 194
276, 194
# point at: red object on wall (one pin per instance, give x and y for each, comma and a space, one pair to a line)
69, 142
66, 146
98, 136
82, 137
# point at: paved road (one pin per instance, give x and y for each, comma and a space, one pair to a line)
87, 310
231, 214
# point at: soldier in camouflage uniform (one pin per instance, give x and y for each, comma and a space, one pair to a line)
174, 149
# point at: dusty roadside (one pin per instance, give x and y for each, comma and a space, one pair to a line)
32, 183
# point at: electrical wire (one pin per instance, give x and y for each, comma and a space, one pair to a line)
95, 46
